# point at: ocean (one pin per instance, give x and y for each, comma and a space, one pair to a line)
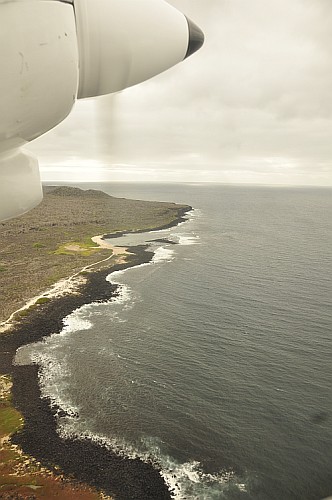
215, 359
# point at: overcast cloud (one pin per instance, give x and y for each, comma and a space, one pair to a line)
253, 105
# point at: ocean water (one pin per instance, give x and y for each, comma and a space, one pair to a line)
215, 360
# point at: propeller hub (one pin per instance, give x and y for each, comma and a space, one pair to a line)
196, 38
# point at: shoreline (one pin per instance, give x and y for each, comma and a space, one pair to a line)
85, 461
182, 212
64, 285
70, 284
53, 240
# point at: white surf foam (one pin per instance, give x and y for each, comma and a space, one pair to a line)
34, 353
115, 276
124, 294
163, 254
53, 376
188, 480
195, 213
188, 239
75, 322
50, 373
167, 230
184, 480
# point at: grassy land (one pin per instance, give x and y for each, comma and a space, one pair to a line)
36, 249
76, 247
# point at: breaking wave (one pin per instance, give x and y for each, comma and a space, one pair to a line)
184, 480
163, 254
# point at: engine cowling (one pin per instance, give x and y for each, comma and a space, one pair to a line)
125, 42
38, 87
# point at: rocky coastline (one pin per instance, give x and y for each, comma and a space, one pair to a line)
80, 461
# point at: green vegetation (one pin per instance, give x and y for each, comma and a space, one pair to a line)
10, 421
42, 300
87, 242
23, 313
3, 269
76, 247
53, 278
38, 245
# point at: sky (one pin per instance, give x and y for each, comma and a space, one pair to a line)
252, 106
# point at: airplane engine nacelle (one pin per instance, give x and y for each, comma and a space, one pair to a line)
55, 51
38, 86
125, 42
